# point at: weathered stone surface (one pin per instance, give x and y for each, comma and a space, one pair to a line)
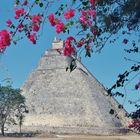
64, 102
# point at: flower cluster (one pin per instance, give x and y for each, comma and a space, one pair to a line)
8, 22
87, 17
52, 20
30, 24
5, 39
92, 2
69, 14
36, 20
32, 38
80, 43
135, 125
20, 27
19, 13
69, 48
26, 23
60, 26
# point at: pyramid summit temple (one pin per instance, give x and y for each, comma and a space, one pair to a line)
74, 102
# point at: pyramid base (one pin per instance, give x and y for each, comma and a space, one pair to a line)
72, 130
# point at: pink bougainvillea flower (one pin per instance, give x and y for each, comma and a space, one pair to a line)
135, 124
87, 47
68, 50
83, 12
36, 19
32, 38
92, 2
125, 41
35, 27
5, 39
20, 26
25, 2
85, 21
94, 31
60, 27
52, 19
8, 22
69, 14
85, 17
82, 20
92, 13
69, 40
80, 44
19, 12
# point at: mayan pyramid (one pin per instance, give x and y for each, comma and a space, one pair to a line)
64, 102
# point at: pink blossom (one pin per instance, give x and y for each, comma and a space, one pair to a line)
85, 21
52, 19
92, 2
69, 14
94, 31
69, 49
69, 39
92, 13
87, 47
83, 12
35, 27
25, 2
8, 22
5, 39
60, 27
36, 18
32, 38
80, 44
19, 12
20, 26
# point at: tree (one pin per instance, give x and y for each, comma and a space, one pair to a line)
21, 110
11, 102
95, 23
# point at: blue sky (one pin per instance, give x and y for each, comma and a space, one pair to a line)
18, 61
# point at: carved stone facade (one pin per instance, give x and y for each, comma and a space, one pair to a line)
64, 102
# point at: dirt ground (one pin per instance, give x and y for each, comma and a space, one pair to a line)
77, 137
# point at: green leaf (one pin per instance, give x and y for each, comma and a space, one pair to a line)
37, 1
17, 2
41, 4
67, 68
120, 106
111, 111
72, 65
88, 53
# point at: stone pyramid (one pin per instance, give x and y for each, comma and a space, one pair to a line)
64, 102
